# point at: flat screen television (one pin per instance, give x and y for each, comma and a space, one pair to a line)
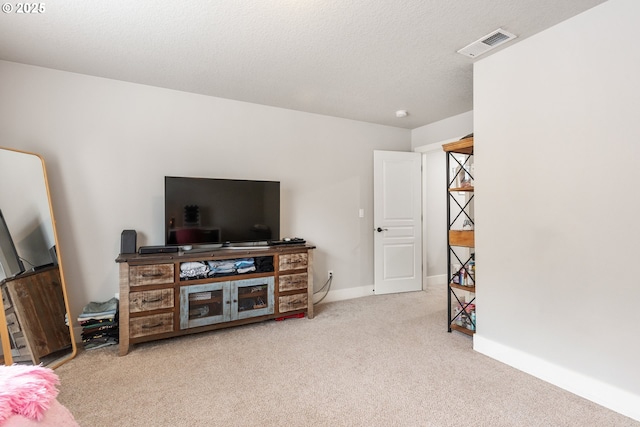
226, 212
10, 262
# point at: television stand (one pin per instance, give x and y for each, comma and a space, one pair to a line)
165, 295
258, 244
248, 248
201, 248
217, 246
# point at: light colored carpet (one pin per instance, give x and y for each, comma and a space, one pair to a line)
373, 361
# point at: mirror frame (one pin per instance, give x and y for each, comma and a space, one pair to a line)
4, 331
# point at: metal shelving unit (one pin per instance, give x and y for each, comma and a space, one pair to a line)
460, 237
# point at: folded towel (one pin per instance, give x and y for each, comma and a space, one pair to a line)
100, 307
186, 266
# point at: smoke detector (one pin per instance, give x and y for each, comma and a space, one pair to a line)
402, 113
486, 43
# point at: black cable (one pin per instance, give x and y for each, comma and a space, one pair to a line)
328, 282
323, 286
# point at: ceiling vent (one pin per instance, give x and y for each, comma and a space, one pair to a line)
486, 43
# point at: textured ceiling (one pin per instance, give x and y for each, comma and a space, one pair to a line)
357, 59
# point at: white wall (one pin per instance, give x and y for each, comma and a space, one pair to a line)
108, 144
440, 132
428, 140
556, 155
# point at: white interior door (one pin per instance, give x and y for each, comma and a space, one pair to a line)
397, 213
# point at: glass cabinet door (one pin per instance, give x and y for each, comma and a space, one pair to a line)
206, 304
252, 297
219, 302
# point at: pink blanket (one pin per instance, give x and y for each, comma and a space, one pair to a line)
28, 398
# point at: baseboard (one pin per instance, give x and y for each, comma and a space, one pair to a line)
345, 294
431, 282
438, 281
603, 394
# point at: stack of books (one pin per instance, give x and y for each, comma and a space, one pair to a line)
99, 321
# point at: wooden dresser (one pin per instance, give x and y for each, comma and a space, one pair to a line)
169, 295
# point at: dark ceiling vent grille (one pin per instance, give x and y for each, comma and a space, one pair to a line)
486, 43
495, 39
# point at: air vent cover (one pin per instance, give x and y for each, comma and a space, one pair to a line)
486, 43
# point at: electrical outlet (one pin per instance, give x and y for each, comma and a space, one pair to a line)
330, 274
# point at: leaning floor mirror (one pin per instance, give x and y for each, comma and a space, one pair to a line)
35, 323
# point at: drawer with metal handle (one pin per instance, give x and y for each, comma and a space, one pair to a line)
154, 274
150, 325
292, 302
150, 300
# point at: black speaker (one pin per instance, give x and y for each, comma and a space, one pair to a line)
128, 242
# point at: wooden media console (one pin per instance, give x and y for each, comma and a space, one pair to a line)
172, 294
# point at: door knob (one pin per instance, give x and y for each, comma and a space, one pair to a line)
380, 230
